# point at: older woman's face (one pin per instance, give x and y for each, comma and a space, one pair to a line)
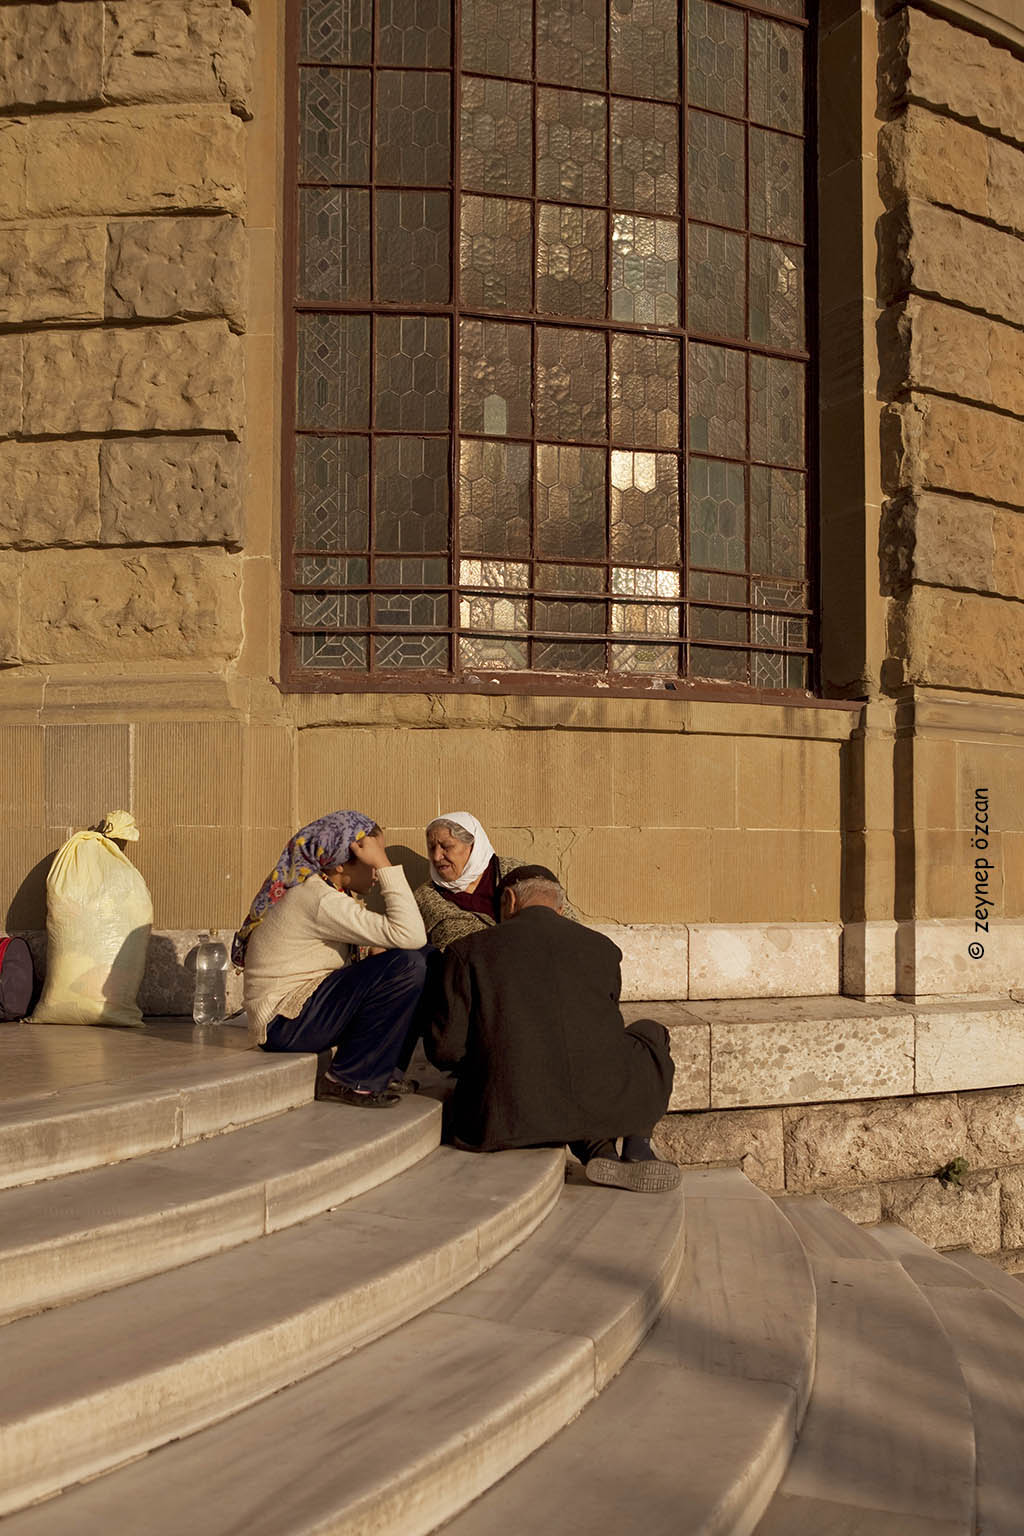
448, 856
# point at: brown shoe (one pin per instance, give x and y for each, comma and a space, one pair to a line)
651, 1177
327, 1088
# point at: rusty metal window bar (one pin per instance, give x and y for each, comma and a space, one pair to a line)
546, 364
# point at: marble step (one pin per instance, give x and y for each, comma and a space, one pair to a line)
88, 1232
1009, 1287
887, 1446
79, 1097
399, 1436
92, 1384
693, 1436
987, 1334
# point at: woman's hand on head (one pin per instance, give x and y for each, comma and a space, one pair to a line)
370, 850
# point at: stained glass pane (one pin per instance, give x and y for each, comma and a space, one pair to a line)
629, 581
416, 33
334, 244
413, 247
645, 270
334, 117
569, 578
645, 48
645, 391
645, 156
644, 507
420, 573
571, 384
717, 515
327, 571
776, 75
565, 656
514, 574
494, 497
645, 619
497, 136
570, 618
777, 522
718, 624
570, 503
571, 261
572, 146
497, 37
776, 294
494, 378
768, 671
343, 653
716, 160
331, 610
411, 493
496, 259
504, 613
717, 401
716, 58
333, 371
336, 31
776, 411
720, 666
406, 652
413, 129
776, 185
492, 655
332, 489
645, 660
571, 42
411, 610
716, 284
411, 384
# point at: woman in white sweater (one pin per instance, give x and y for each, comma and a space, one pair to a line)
302, 991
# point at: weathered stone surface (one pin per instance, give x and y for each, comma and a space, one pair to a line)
200, 50
170, 490
840, 1050
863, 1206
107, 605
152, 378
1006, 185
925, 59
922, 155
842, 1146
12, 374
690, 1046
176, 269
936, 347
935, 251
932, 957
995, 1127
51, 272
969, 1045
750, 1139
654, 958
50, 53
948, 446
951, 541
959, 640
12, 564
948, 1216
759, 960
1012, 1207
123, 161
49, 494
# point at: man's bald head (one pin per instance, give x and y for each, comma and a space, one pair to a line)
530, 885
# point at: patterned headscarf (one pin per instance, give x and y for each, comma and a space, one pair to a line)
324, 844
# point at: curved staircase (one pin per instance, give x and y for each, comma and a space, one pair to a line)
225, 1308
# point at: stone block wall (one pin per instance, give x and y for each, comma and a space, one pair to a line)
123, 296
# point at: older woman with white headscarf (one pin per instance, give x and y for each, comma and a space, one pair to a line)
461, 896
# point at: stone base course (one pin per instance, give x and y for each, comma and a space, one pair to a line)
950, 1215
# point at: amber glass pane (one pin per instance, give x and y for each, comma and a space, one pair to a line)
716, 160
413, 247
571, 618
571, 42
645, 48
716, 503
415, 33
411, 385
497, 37
644, 513
645, 391
497, 136
413, 128
777, 522
716, 70
645, 660
645, 156
334, 118
776, 411
569, 578
718, 624
503, 613
492, 654
336, 31
645, 270
716, 284
494, 378
776, 294
719, 666
570, 505
504, 574
334, 244
565, 656
572, 147
776, 185
411, 493
333, 371
494, 497
571, 261
332, 494
571, 384
496, 261
776, 75
717, 401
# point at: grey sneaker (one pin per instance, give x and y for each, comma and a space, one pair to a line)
651, 1177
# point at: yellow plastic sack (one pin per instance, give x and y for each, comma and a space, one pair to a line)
98, 919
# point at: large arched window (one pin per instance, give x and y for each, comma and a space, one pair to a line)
545, 407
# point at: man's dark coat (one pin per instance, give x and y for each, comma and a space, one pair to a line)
530, 1019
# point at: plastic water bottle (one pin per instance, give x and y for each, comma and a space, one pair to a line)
210, 1003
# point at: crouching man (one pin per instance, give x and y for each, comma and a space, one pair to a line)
528, 1019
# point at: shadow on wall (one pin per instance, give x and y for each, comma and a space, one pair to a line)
28, 904
416, 866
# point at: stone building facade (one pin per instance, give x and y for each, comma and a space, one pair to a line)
763, 846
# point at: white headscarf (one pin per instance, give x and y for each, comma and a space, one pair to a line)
480, 855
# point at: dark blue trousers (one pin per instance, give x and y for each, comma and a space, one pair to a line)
365, 1010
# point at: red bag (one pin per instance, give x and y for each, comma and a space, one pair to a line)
17, 979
